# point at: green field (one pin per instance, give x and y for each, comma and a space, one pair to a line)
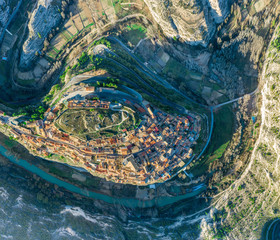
26, 83
134, 33
176, 69
3, 72
222, 134
123, 7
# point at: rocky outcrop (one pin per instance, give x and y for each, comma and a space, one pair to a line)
4, 15
190, 20
236, 62
44, 18
219, 9
256, 192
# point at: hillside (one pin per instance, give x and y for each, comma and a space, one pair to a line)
193, 21
44, 18
172, 103
253, 199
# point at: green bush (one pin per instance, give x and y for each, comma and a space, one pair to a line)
276, 43
103, 41
35, 112
83, 59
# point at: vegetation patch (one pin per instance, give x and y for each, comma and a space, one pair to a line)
34, 112
222, 132
93, 123
133, 33
276, 43
3, 72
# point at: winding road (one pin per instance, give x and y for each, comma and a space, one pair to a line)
151, 74
163, 82
273, 231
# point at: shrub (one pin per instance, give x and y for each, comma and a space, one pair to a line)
83, 58
276, 43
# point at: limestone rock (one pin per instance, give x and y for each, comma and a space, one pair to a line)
4, 15
44, 18
219, 9
190, 20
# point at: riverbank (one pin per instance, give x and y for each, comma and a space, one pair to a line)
90, 187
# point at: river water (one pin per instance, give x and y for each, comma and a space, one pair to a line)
22, 216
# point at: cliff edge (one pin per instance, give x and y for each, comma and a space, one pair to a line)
193, 21
45, 17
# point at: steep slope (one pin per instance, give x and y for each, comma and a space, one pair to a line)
219, 9
191, 20
8, 10
254, 198
45, 17
4, 15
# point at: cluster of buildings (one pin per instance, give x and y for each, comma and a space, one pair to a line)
152, 152
72, 104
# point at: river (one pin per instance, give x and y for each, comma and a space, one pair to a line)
23, 217
127, 202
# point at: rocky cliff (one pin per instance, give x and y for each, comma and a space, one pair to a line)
219, 9
4, 14
45, 17
236, 61
235, 64
253, 199
193, 21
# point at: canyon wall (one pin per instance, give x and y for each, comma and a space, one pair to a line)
193, 21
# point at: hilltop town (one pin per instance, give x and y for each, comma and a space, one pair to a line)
152, 147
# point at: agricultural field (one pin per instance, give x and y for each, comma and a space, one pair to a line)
80, 19
133, 33
185, 79
125, 7
97, 14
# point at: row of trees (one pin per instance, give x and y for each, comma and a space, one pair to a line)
34, 112
103, 41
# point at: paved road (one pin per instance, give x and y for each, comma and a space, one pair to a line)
166, 84
204, 148
180, 108
210, 133
9, 21
273, 232
81, 78
235, 100
151, 74
158, 95
158, 79
161, 81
